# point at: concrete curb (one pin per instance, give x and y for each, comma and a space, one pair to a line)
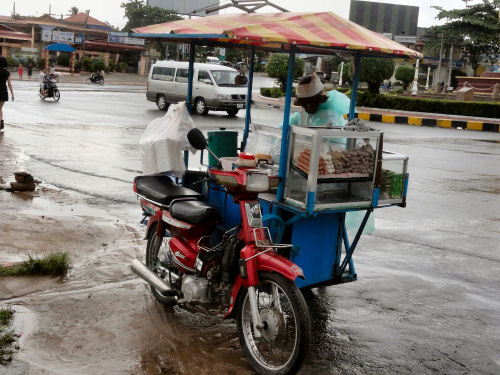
430, 122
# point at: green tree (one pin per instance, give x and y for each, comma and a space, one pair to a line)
63, 59
405, 74
277, 67
139, 14
476, 28
373, 71
73, 10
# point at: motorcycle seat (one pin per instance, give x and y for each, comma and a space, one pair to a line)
161, 189
193, 211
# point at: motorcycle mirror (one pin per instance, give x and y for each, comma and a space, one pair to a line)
197, 139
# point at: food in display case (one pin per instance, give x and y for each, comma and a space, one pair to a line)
391, 184
357, 162
393, 176
330, 168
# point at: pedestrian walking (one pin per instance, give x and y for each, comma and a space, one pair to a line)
20, 70
4, 81
30, 70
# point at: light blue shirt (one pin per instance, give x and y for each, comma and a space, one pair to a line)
330, 112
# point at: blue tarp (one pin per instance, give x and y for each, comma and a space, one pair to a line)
61, 47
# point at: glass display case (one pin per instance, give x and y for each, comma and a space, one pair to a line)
393, 178
331, 168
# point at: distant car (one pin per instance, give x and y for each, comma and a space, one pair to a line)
215, 87
212, 60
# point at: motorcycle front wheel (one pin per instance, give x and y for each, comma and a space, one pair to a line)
152, 251
57, 95
284, 341
88, 81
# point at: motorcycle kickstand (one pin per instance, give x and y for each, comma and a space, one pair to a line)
257, 324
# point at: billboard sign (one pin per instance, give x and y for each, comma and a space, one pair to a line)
63, 36
186, 6
125, 40
384, 17
47, 33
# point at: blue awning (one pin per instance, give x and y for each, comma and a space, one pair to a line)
61, 47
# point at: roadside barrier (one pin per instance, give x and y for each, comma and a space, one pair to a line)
430, 122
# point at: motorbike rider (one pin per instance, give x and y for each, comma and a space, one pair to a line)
44, 80
97, 75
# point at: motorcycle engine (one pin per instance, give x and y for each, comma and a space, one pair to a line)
195, 289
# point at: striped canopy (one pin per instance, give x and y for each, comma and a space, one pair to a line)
308, 31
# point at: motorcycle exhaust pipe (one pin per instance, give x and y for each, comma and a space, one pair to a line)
152, 279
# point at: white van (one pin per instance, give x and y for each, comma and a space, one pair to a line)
212, 60
215, 87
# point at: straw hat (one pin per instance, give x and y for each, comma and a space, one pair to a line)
308, 88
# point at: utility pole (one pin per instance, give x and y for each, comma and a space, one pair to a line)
436, 78
414, 89
341, 72
448, 82
427, 81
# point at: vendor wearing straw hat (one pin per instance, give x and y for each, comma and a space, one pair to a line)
326, 109
320, 108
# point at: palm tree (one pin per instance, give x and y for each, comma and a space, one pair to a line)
73, 10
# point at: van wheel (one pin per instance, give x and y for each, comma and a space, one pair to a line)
232, 112
200, 107
161, 102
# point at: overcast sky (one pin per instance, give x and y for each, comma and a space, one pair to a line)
110, 10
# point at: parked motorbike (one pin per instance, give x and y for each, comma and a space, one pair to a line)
50, 90
96, 78
189, 261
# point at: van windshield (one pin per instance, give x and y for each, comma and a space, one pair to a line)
226, 78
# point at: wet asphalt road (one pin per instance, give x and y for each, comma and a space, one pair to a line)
427, 299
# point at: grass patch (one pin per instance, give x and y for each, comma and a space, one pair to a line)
55, 264
7, 337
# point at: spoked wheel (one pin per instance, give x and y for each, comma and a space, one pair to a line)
152, 262
101, 81
88, 81
161, 103
57, 95
284, 342
200, 107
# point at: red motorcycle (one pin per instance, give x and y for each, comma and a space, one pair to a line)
190, 261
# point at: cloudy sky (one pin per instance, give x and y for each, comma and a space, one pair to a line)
110, 10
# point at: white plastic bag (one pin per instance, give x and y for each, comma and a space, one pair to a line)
164, 140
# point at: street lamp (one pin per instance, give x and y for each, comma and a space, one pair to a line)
414, 89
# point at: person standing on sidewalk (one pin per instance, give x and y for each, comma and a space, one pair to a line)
30, 70
4, 81
20, 70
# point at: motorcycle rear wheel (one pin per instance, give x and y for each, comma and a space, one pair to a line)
152, 249
56, 94
284, 342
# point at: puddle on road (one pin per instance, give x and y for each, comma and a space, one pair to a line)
487, 184
487, 140
195, 343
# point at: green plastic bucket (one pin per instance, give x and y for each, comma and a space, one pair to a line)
222, 143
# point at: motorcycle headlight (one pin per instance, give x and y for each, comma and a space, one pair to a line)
257, 182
